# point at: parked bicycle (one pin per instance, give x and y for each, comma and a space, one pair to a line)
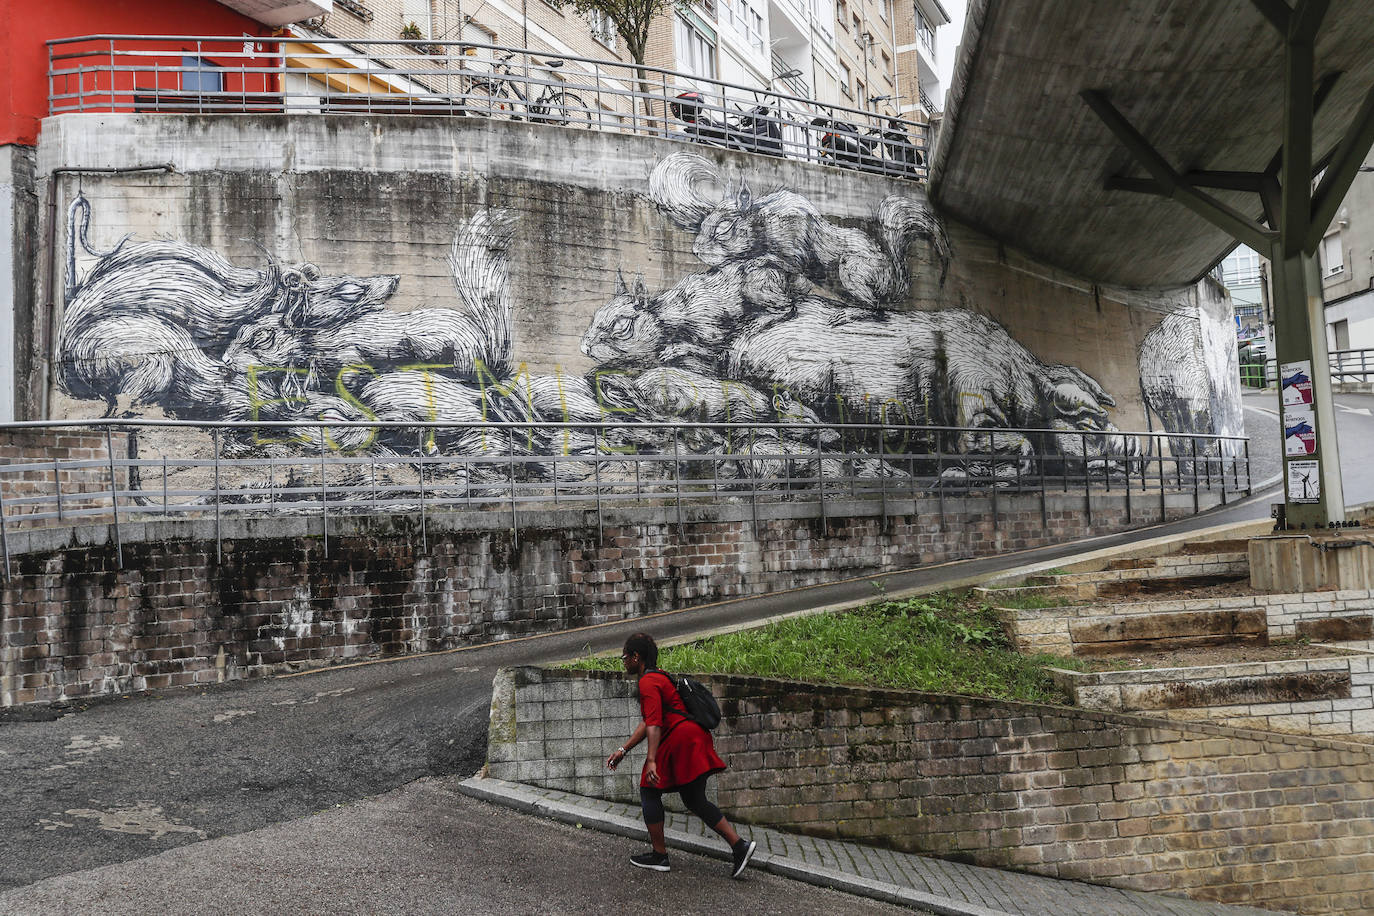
498, 94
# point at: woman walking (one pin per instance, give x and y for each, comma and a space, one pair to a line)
681, 758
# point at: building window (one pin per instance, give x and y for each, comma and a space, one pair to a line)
842, 13
860, 95
885, 10
418, 12
1333, 256
696, 52
1341, 332
199, 75
887, 68
924, 31
603, 28
745, 20
844, 82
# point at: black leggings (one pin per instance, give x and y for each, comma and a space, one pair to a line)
693, 796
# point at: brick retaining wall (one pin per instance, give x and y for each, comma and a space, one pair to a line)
1212, 812
83, 488
177, 613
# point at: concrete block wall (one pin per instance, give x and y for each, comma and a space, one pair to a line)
1286, 616
1329, 697
193, 603
1208, 811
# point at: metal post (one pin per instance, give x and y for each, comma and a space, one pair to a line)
1044, 515
677, 482
114, 496
324, 495
1087, 478
57, 482
596, 474
820, 473
882, 477
1163, 504
4, 531
1196, 503
424, 518
940, 477
510, 470
1248, 487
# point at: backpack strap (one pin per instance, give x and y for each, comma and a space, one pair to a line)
673, 709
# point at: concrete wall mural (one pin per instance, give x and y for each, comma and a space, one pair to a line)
1190, 374
789, 318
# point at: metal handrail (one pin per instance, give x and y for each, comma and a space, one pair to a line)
1346, 365
301, 468
107, 73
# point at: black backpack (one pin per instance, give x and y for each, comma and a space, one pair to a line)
700, 705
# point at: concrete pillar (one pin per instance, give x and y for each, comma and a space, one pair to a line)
1300, 338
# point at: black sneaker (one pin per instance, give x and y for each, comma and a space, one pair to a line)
657, 861
741, 853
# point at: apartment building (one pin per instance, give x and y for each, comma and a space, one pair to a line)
919, 91
835, 51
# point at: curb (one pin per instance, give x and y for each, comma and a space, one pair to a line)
511, 795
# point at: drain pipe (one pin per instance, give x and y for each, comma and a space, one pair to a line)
49, 344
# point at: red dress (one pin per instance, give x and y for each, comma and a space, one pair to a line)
685, 752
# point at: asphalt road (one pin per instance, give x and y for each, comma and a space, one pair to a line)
123, 778
424, 849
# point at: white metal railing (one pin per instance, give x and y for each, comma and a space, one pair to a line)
1356, 365
224, 75
162, 469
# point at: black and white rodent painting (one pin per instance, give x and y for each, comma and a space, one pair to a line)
785, 318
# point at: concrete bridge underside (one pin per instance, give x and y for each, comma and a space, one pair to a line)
1023, 157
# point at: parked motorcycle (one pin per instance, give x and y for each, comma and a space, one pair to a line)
755, 130
888, 150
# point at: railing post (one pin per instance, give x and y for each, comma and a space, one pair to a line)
820, 473
4, 530
424, 520
219, 545
510, 470
1248, 482
114, 496
1159, 456
57, 484
1087, 478
596, 476
1196, 503
882, 476
940, 477
677, 482
324, 494
1044, 515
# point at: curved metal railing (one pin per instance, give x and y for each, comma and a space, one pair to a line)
120, 471
226, 75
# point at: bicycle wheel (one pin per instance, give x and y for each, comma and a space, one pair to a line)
563, 108
486, 99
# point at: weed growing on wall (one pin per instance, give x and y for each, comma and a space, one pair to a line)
945, 643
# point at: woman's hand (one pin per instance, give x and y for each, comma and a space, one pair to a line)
651, 772
613, 761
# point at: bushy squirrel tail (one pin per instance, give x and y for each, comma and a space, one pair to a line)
903, 219
479, 262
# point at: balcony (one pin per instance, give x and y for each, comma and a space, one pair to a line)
298, 78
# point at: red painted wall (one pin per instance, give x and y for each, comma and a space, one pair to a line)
24, 82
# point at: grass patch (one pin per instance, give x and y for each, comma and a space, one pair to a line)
946, 643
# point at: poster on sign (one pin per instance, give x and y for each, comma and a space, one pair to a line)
1297, 382
1299, 432
1304, 482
